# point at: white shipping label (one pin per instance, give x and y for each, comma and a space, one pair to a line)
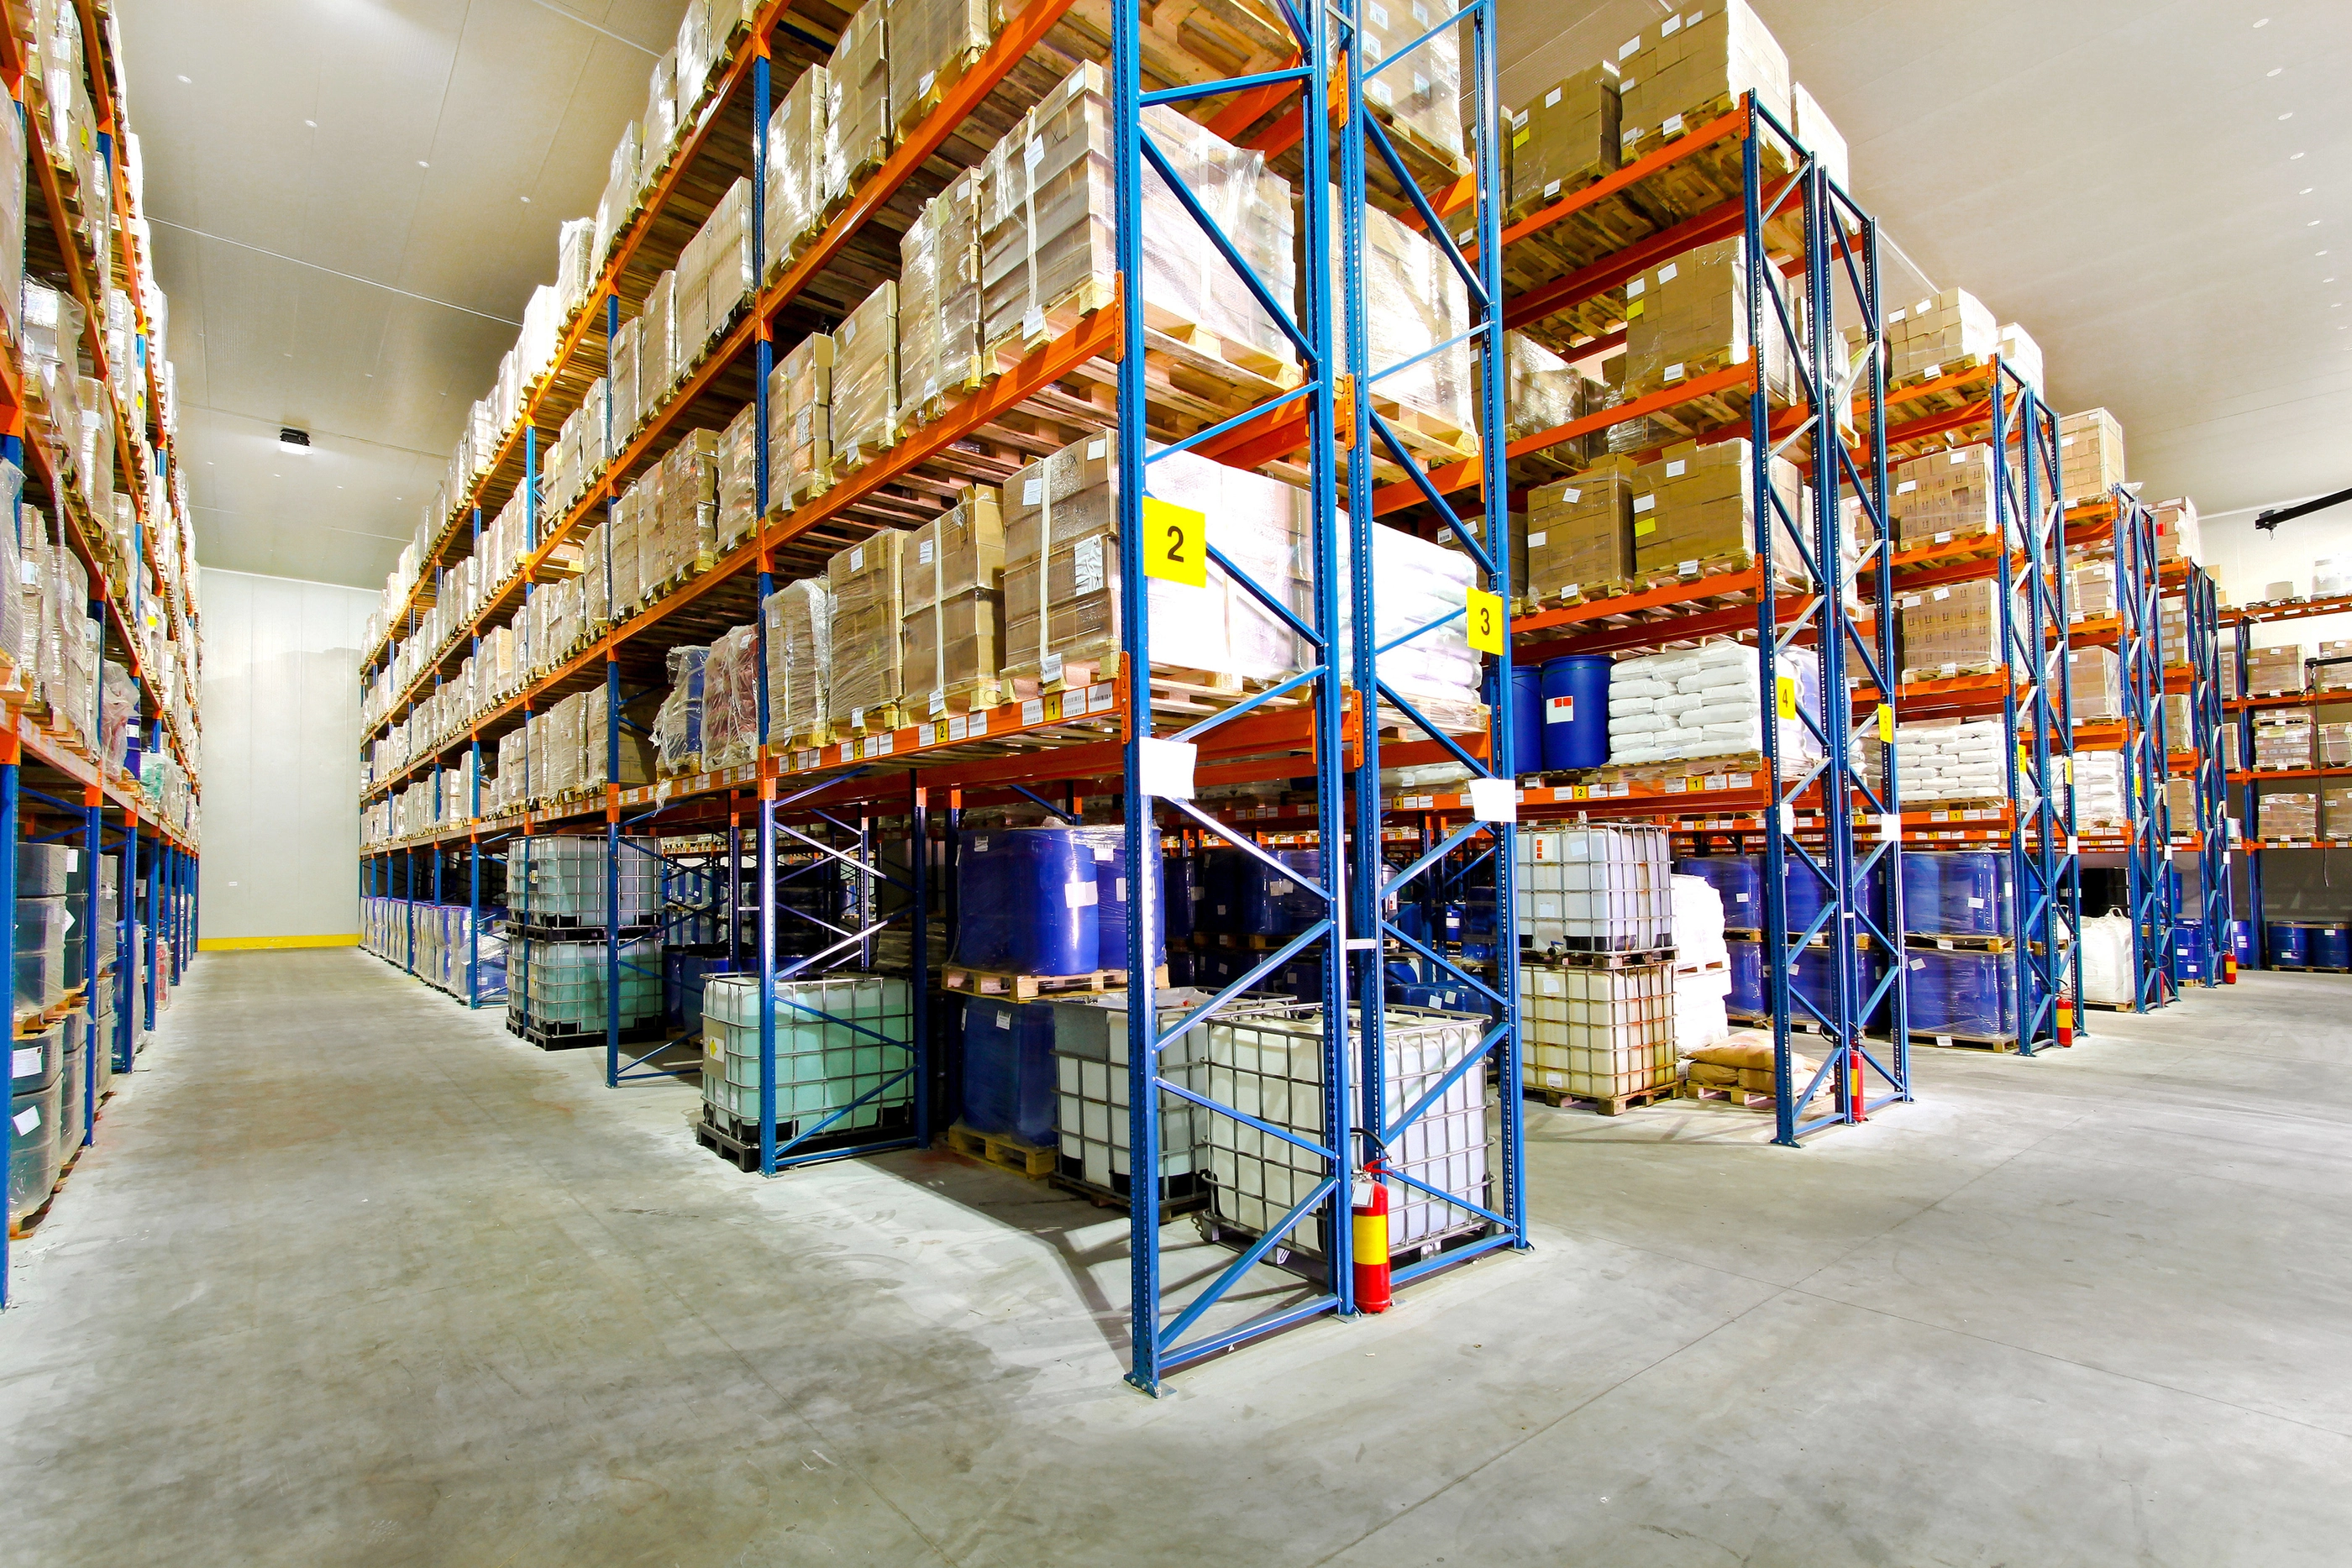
1669, 27
1906, 487
1032, 323
1669, 272
27, 1064
923, 552
1975, 903
857, 718
1049, 668
25, 1119
1570, 494
979, 845
1551, 99
1559, 709
1687, 569
1934, 372
1674, 468
1644, 503
1673, 124
923, 84
1034, 711
1280, 889
1673, 373
1626, 49
1378, 14
1549, 191
1634, 290
1943, 593
857, 557
1420, 13
1078, 895
1034, 153
1098, 449
1536, 541
1120, 885
1033, 492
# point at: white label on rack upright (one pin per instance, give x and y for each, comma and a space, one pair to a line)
956, 728
1788, 816
1049, 668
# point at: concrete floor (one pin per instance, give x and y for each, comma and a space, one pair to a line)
352, 1276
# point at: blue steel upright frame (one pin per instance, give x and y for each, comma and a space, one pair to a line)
2206, 718
2146, 761
2037, 712
1373, 885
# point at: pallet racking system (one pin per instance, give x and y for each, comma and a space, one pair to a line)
2248, 779
56, 785
856, 803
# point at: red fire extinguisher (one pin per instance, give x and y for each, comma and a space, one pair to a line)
1371, 1238
2229, 968
2065, 1023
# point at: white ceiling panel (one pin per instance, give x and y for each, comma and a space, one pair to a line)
2115, 174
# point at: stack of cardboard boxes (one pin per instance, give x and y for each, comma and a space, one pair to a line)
869, 602
1580, 535
1696, 505
1692, 67
1944, 495
1565, 138
2090, 455
952, 569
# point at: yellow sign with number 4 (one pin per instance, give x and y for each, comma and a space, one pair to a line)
1175, 543
1487, 622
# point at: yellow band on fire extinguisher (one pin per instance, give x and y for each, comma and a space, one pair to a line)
1372, 1239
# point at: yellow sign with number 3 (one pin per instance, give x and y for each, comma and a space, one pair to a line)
1175, 543
1487, 623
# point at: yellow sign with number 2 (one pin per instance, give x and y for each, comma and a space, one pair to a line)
1175, 543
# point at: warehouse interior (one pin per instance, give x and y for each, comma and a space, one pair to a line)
793, 781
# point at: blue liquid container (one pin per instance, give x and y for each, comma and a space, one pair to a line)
2242, 941
1025, 902
1961, 993
1112, 903
1576, 711
1008, 1069
1179, 889
2290, 944
2331, 946
1735, 878
1528, 718
2192, 958
1245, 897
1956, 892
1747, 977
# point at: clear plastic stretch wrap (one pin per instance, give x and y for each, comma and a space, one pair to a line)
1061, 566
938, 298
1543, 391
562, 753
865, 380
1416, 583
738, 479
1692, 67
122, 702
799, 619
1945, 495
932, 44
869, 602
857, 119
1581, 534
636, 745
1414, 300
800, 414
1706, 701
677, 728
952, 569
1954, 629
1420, 97
1565, 138
2090, 454
730, 699
2095, 685
797, 165
1687, 318
1049, 226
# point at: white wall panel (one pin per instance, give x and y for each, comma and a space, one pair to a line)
281, 711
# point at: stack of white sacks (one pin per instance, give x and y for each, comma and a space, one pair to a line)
1703, 701
1948, 760
1702, 965
2098, 787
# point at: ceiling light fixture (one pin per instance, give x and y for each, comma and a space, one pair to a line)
2273, 70
423, 164
2264, 22
312, 123
2306, 190
191, 84
2293, 156
294, 442
2288, 115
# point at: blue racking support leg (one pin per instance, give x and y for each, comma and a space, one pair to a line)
147, 957
2249, 808
126, 958
918, 857
92, 824
9, 825
613, 862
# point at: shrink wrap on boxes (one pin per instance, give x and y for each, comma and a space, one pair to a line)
866, 380
1581, 534
939, 299
636, 748
799, 619
800, 410
952, 570
1696, 504
1949, 629
1062, 566
2090, 454
1420, 97
1564, 139
1675, 76
730, 699
797, 166
2290, 814
1943, 494
1687, 318
739, 479
857, 119
869, 602
1414, 300
932, 44
1705, 701
677, 728
2094, 684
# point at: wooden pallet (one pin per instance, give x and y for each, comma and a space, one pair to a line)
1729, 762
2000, 1044
1959, 943
1029, 987
1728, 1093
1015, 1154
1604, 1105
1914, 673
1575, 594
1572, 958
1110, 1197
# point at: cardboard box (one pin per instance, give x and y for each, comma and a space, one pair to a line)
2289, 814
1944, 495
1688, 316
939, 298
2336, 811
800, 411
1951, 630
1696, 504
2284, 740
2090, 454
798, 622
2334, 677
869, 604
866, 380
797, 166
2272, 671
1811, 124
952, 569
1565, 138
1580, 533
1682, 73
858, 121
932, 44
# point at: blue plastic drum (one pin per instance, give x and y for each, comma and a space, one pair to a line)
1735, 878
1026, 902
1960, 994
2331, 946
2290, 944
1747, 978
1008, 1069
1526, 719
1576, 711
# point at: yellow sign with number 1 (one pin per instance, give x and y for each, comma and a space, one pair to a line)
1486, 622
1175, 543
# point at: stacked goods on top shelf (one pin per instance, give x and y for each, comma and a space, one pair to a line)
1565, 138
2090, 455
1691, 68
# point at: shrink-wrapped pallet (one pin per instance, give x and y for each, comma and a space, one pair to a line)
857, 119
1696, 503
952, 570
869, 604
623, 178
621, 546
1944, 495
1951, 630
797, 166
1062, 568
798, 622
1418, 98
2290, 814
866, 380
713, 278
1811, 124
800, 414
932, 44
2094, 684
730, 699
657, 366
595, 583
1542, 391
1565, 138
1687, 318
1049, 229
1936, 336
562, 753
2090, 454
1414, 300
939, 300
2284, 739
2177, 536
1416, 584
621, 380
1581, 534
514, 766
689, 502
1693, 67
738, 480
677, 727
661, 112
1706, 701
